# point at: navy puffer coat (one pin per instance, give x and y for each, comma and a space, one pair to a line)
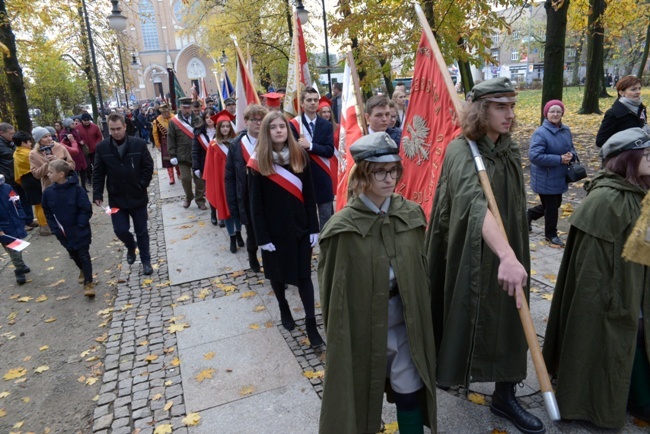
547, 173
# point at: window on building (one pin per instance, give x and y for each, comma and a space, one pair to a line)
571, 53
495, 39
148, 24
514, 55
495, 57
515, 35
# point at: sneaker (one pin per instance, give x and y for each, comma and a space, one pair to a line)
130, 256
556, 241
147, 269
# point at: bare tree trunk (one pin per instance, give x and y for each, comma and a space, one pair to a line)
603, 83
595, 56
554, 53
575, 79
86, 66
644, 58
387, 76
14, 73
465, 71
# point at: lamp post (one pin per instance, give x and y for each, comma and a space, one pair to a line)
530, 21
119, 55
303, 16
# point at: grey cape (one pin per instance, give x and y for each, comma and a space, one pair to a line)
592, 326
353, 274
479, 337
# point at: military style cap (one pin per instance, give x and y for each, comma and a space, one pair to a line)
229, 101
498, 89
375, 147
185, 101
163, 107
626, 140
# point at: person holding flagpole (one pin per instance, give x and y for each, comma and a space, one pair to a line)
239, 152
180, 136
204, 133
315, 135
283, 210
478, 275
160, 126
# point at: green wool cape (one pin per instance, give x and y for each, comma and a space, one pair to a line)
479, 337
592, 327
357, 246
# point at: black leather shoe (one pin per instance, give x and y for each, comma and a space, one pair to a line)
25, 269
213, 216
556, 241
222, 223
285, 316
233, 244
312, 332
240, 240
504, 404
130, 256
147, 269
253, 262
20, 277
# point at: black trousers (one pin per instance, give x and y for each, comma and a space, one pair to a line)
81, 258
122, 224
549, 210
306, 291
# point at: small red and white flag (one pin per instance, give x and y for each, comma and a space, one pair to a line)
18, 244
108, 210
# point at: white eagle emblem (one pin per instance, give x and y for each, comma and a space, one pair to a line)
343, 161
414, 143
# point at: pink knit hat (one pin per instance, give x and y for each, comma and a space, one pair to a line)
550, 104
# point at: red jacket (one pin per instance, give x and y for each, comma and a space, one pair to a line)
90, 135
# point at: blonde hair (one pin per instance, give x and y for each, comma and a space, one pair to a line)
264, 147
475, 119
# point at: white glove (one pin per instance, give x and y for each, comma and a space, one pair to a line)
174, 161
313, 239
268, 247
197, 173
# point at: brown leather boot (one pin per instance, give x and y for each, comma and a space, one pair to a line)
89, 289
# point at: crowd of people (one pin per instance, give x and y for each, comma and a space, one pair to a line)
407, 306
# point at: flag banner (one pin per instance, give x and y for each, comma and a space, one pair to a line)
108, 210
429, 127
178, 89
351, 130
226, 86
13, 243
297, 60
204, 91
245, 91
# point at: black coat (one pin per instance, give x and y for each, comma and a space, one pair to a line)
236, 184
617, 119
127, 177
7, 161
282, 219
322, 145
198, 151
67, 204
395, 134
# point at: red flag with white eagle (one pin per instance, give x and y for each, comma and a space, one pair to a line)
297, 62
429, 127
245, 89
351, 131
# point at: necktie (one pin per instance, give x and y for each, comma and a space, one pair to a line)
311, 128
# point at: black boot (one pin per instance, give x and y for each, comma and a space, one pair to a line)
20, 277
240, 240
285, 316
233, 244
253, 262
504, 404
312, 332
213, 215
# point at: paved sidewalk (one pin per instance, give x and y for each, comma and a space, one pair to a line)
202, 335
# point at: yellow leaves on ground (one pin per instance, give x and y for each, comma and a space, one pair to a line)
57, 283
63, 297
183, 298
42, 369
43, 348
143, 343
248, 294
254, 326
548, 297
390, 428
50, 319
551, 278
204, 293
205, 374
41, 298
498, 431
19, 425
168, 405
192, 419
640, 423
237, 273
246, 390
24, 299
177, 327
102, 338
26, 399
4, 394
259, 308
151, 358
567, 210
105, 312
176, 362
188, 236
12, 374
156, 397
147, 282
209, 356
165, 428
533, 272
3, 413
312, 374
476, 398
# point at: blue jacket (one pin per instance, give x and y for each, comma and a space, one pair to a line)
68, 205
12, 216
547, 173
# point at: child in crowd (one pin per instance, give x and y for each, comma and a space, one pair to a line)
12, 227
68, 211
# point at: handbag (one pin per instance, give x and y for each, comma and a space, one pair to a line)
576, 171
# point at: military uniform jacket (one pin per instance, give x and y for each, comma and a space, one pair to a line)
179, 144
479, 337
357, 247
592, 326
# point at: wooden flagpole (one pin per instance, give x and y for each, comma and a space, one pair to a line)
216, 75
240, 60
524, 312
357, 92
296, 58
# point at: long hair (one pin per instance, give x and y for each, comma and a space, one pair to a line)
475, 119
626, 164
220, 138
332, 120
361, 175
264, 148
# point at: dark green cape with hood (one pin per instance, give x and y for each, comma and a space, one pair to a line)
592, 327
479, 337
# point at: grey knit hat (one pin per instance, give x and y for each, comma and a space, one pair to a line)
67, 122
38, 133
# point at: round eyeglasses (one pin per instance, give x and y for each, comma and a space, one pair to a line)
381, 174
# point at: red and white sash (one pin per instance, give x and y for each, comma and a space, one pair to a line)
183, 126
203, 141
282, 177
222, 148
322, 162
247, 148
